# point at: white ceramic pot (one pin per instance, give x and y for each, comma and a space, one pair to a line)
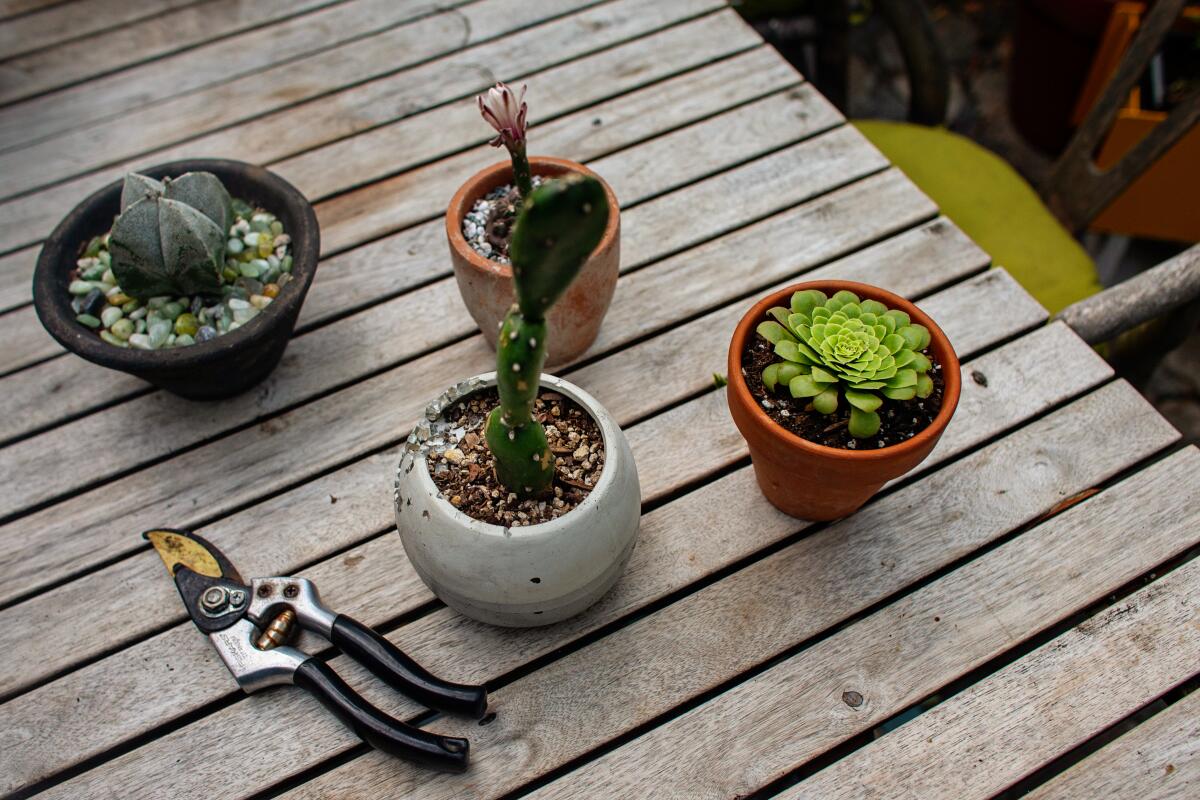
521, 576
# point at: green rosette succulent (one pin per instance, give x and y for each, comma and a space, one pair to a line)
843, 347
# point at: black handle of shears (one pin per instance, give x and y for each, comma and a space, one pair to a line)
404, 674
445, 753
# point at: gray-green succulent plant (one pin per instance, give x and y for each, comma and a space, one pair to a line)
560, 223
842, 346
170, 235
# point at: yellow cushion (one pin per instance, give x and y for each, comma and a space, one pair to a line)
994, 205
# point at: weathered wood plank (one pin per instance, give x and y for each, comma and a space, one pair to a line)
431, 135
59, 23
343, 113
295, 528
1044, 703
1157, 760
372, 277
25, 341
764, 728
557, 712
16, 278
654, 229
11, 8
82, 60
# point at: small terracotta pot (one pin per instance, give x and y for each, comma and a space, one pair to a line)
486, 286
812, 481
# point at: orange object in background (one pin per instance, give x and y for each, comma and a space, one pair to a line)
1162, 202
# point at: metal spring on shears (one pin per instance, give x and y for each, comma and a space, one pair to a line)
278, 631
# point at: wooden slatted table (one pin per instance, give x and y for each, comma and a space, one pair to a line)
971, 631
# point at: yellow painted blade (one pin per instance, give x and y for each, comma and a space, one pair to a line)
176, 549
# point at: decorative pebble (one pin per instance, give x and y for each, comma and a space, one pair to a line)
158, 331
186, 325
87, 319
113, 339
80, 287
474, 225
140, 341
121, 329
110, 315
206, 333
93, 303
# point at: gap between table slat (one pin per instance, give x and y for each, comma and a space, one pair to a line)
72, 63
1051, 699
1157, 760
63, 22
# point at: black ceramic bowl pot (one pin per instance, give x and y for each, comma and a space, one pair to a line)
224, 366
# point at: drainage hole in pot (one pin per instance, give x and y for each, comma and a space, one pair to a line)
535, 580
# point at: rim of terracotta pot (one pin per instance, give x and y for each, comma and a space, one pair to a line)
499, 174
554, 527
940, 343
58, 257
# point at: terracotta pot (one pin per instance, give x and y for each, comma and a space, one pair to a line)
812, 481
219, 368
486, 286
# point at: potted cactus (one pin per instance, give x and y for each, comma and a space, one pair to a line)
479, 227
190, 275
838, 387
517, 498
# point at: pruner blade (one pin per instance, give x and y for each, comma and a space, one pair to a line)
182, 548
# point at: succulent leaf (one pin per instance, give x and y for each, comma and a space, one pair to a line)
804, 386
770, 376
774, 332
840, 345
863, 424
826, 402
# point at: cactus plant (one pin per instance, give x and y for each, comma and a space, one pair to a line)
560, 223
505, 111
169, 238
842, 346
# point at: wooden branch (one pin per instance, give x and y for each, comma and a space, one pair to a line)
1148, 296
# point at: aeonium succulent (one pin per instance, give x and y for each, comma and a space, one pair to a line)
843, 347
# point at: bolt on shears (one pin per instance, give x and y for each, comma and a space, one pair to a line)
250, 626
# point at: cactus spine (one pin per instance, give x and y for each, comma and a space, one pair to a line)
170, 236
560, 223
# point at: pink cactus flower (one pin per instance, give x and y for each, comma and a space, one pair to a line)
504, 110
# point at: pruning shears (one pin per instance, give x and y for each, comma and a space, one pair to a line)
250, 626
